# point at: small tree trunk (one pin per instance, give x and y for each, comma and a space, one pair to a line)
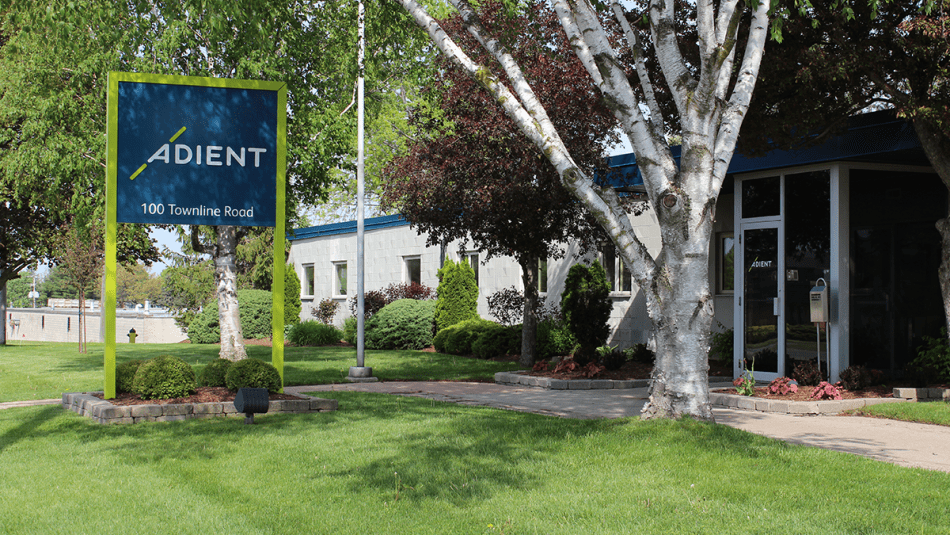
229, 319
529, 325
82, 319
3, 310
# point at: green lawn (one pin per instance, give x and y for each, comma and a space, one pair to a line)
932, 412
35, 370
390, 464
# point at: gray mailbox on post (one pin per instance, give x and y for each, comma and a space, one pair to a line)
818, 304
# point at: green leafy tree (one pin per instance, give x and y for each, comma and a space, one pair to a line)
187, 286
80, 255
457, 294
135, 285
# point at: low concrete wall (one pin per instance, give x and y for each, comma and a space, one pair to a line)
62, 325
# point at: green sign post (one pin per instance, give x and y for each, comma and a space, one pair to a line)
195, 151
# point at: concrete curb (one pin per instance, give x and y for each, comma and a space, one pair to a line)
104, 412
735, 401
926, 394
521, 378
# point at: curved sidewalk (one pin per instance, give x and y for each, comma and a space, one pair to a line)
901, 443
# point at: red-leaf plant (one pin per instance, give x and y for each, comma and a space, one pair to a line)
783, 386
826, 390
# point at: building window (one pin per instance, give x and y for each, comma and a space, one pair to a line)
725, 260
413, 269
618, 275
543, 275
308, 281
339, 281
472, 259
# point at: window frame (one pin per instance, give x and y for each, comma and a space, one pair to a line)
467, 257
407, 271
308, 283
619, 277
340, 285
725, 285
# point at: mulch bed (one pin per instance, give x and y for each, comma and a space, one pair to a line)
203, 394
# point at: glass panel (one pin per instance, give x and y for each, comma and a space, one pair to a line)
473, 261
414, 270
761, 197
626, 281
341, 279
608, 259
761, 289
308, 280
727, 258
543, 276
807, 258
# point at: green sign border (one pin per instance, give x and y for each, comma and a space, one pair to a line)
277, 287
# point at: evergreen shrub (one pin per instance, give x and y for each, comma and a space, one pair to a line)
497, 341
214, 373
125, 374
554, 339
403, 324
252, 373
164, 377
314, 333
254, 307
292, 305
586, 306
457, 295
458, 339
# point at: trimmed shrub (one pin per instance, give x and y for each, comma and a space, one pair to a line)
933, 358
214, 373
314, 333
586, 306
497, 341
554, 339
373, 302
164, 377
252, 373
419, 292
349, 330
292, 305
254, 306
806, 373
640, 353
403, 324
457, 295
458, 339
125, 374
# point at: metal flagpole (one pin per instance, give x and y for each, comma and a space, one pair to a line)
360, 373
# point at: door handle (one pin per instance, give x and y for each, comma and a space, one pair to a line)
775, 306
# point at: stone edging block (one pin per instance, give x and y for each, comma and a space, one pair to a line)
735, 401
104, 412
521, 378
922, 393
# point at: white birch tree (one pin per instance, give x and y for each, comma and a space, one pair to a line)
710, 99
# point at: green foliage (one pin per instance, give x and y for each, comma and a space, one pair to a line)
586, 305
254, 306
125, 375
933, 358
745, 384
457, 294
611, 357
720, 346
349, 330
164, 377
458, 339
403, 324
253, 373
554, 338
292, 305
497, 341
214, 373
640, 353
187, 285
314, 333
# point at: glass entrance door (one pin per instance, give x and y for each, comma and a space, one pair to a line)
763, 338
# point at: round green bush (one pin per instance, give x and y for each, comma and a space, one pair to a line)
497, 341
314, 333
254, 307
349, 330
586, 306
458, 339
252, 373
214, 373
125, 374
553, 339
164, 377
402, 324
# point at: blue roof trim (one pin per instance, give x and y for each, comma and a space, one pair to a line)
348, 227
872, 137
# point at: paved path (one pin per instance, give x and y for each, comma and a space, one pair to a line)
902, 443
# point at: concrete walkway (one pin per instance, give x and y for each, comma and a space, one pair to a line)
901, 443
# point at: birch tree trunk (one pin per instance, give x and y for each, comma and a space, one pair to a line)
225, 273
710, 101
529, 323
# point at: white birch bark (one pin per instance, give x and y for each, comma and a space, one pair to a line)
229, 319
675, 281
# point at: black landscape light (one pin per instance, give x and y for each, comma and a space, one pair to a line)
251, 400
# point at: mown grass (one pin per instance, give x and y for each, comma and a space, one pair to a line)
932, 412
35, 370
389, 464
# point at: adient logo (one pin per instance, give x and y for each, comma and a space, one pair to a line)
212, 155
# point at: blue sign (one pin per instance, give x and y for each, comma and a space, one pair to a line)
196, 155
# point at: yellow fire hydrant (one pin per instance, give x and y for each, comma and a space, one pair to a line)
132, 336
